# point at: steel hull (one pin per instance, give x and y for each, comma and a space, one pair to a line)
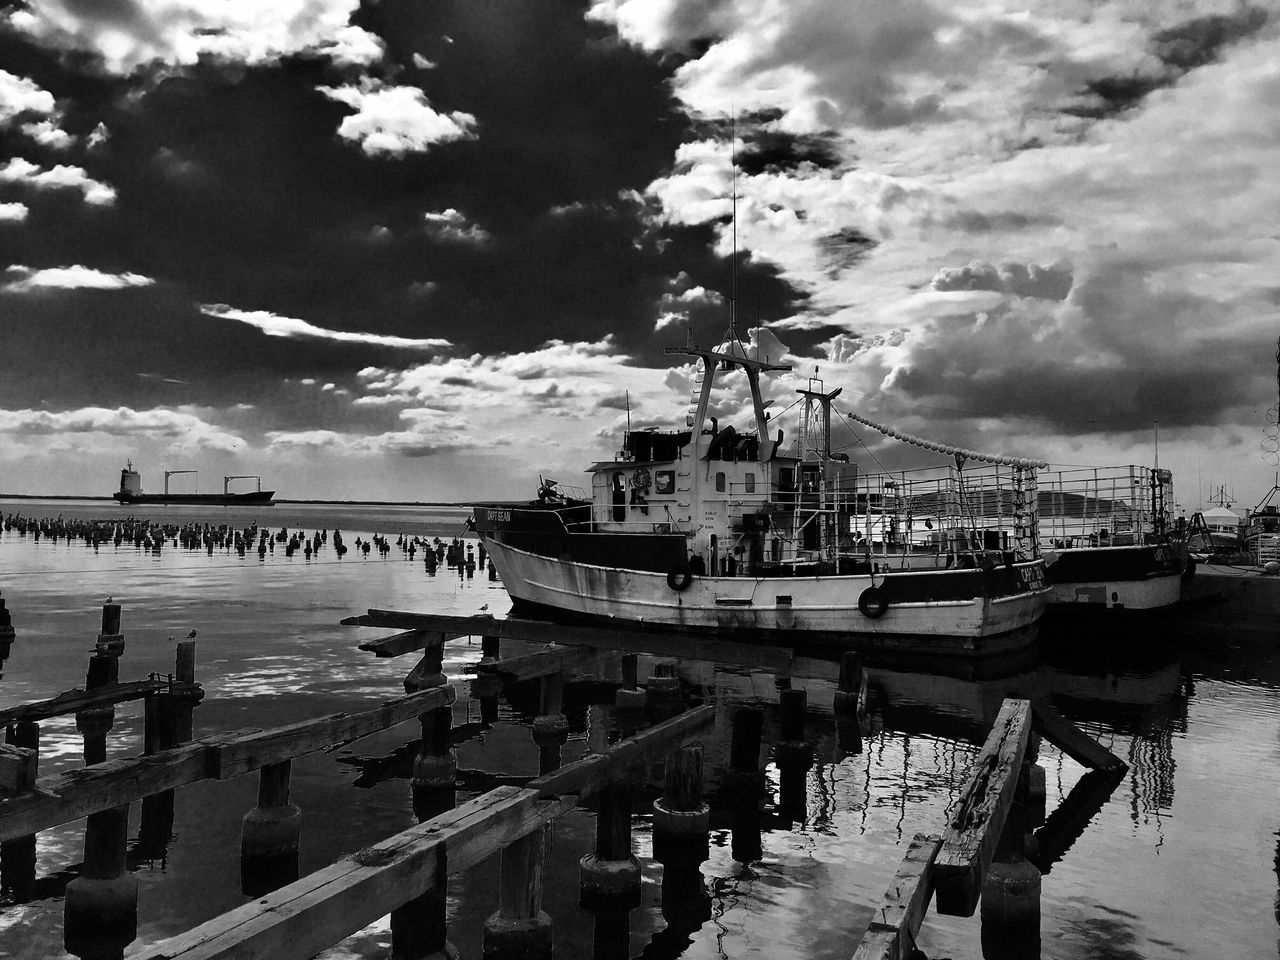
817, 607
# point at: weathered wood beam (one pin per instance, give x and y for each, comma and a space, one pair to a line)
972, 835
592, 772
305, 917
544, 663
17, 769
409, 641
87, 790
1071, 740
230, 758
80, 792
72, 701
891, 934
661, 641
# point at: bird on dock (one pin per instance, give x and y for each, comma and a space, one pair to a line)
484, 608
191, 635
108, 600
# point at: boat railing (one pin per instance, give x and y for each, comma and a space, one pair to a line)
1098, 506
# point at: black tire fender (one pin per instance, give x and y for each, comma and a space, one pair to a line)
679, 577
873, 603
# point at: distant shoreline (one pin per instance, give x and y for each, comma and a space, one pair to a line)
349, 503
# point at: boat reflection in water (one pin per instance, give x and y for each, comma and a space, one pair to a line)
798, 870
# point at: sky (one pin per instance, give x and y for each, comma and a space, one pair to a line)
428, 251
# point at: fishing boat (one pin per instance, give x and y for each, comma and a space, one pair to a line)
131, 491
709, 528
1109, 540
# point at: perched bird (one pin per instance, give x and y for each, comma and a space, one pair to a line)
484, 608
191, 635
108, 600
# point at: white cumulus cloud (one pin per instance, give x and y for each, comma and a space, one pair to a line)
27, 279
394, 121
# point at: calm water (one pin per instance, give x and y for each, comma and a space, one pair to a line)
1180, 860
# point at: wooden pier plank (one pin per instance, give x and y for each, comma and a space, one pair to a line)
544, 663
661, 641
75, 700
230, 758
1071, 740
971, 837
305, 917
891, 934
407, 642
594, 771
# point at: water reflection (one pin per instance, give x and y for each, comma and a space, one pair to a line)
794, 866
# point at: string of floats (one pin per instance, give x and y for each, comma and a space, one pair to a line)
959, 453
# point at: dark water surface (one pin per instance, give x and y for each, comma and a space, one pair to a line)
1179, 860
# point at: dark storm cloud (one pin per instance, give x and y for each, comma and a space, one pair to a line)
233, 187
775, 151
1180, 48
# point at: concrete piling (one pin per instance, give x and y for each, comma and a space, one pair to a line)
435, 768
681, 843
269, 834
631, 696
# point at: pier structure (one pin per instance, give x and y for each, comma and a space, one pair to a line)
986, 852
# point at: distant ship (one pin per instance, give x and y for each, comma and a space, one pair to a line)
131, 491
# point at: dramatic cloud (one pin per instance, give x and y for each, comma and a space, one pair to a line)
130, 35
396, 120
13, 211
27, 279
19, 96
290, 327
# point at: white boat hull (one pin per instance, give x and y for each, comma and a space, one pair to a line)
820, 607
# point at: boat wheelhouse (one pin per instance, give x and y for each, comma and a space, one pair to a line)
712, 528
1109, 541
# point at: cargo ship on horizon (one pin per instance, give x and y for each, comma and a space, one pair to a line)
131, 491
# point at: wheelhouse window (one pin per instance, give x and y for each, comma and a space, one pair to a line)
664, 481
720, 482
749, 483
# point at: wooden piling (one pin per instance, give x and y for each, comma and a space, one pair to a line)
610, 877
520, 929
1010, 906
550, 727
419, 927
19, 760
681, 820
631, 696
270, 833
100, 913
744, 784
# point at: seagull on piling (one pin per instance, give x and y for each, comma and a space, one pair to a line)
484, 608
191, 635
108, 600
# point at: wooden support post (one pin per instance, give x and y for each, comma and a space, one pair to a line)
6, 630
550, 727
850, 704
665, 681
681, 842
429, 672
161, 731
419, 927
794, 757
745, 785
1011, 888
490, 649
269, 834
610, 881
435, 768
100, 914
19, 760
630, 696
520, 929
